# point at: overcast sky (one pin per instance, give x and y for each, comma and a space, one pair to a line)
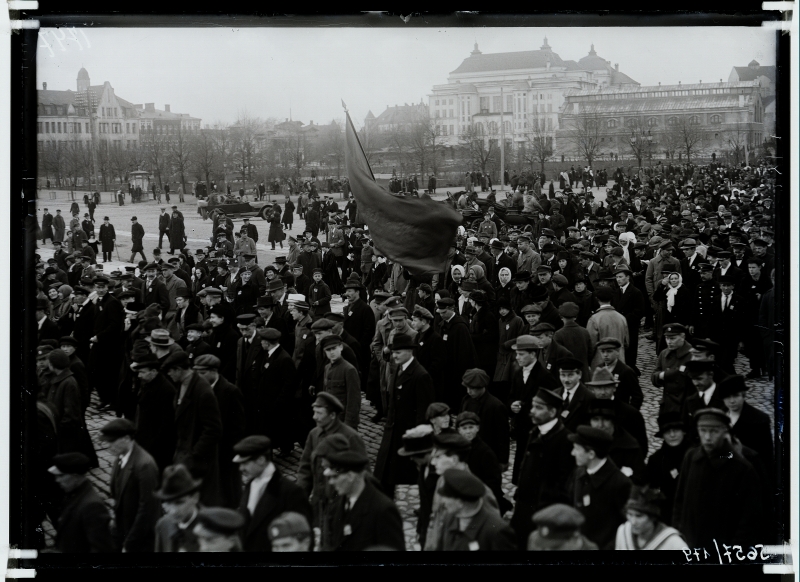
214, 73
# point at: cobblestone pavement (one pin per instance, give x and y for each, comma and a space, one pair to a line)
407, 496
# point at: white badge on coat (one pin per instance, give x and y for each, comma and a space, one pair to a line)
400, 387
587, 500
548, 366
565, 413
444, 337
421, 344
239, 293
508, 326
219, 344
149, 289
474, 546
348, 530
305, 335
674, 473
266, 365
350, 313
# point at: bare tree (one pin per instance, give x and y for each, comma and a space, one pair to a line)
583, 133
423, 141
104, 161
180, 154
156, 152
73, 162
244, 137
223, 145
477, 149
640, 140
736, 140
690, 136
331, 144
538, 144
119, 162
204, 155
55, 160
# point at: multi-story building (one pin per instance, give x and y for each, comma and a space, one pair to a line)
516, 89
396, 117
765, 75
711, 117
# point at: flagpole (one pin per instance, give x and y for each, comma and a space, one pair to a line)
502, 141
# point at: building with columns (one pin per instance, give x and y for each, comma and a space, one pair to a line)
516, 89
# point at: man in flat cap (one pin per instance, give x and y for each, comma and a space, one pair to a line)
494, 425
547, 463
558, 528
598, 488
267, 493
468, 525
198, 424
628, 389
326, 409
718, 498
155, 410
630, 304
83, 523
607, 322
291, 532
526, 381
459, 351
670, 366
409, 393
232, 414
134, 478
549, 351
359, 321
362, 516
482, 461
224, 337
624, 450
341, 379
528, 260
105, 357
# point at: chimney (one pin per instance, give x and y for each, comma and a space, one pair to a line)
44, 86
679, 82
149, 106
166, 108
616, 67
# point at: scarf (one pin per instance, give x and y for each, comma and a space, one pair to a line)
671, 292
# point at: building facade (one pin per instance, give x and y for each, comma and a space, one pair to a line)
765, 75
659, 121
520, 90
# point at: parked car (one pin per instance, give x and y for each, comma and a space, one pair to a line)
233, 206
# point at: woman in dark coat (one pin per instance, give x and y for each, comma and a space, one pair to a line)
288, 209
47, 227
200, 280
312, 219
675, 299
177, 233
245, 293
275, 228
503, 287
485, 333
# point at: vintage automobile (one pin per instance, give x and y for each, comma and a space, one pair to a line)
232, 206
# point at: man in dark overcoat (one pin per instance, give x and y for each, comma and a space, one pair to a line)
494, 425
198, 425
459, 351
630, 303
107, 237
409, 393
267, 494
546, 463
105, 356
155, 410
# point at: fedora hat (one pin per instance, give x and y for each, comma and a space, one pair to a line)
160, 337
177, 482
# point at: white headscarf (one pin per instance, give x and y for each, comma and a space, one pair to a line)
631, 238
672, 291
504, 271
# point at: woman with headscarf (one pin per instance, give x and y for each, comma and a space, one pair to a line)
200, 280
674, 297
458, 272
643, 529
477, 274
626, 241
503, 287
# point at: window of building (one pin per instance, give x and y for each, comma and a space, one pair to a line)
437, 102
451, 102
672, 121
87, 128
612, 123
652, 122
715, 119
451, 130
115, 113
694, 120
437, 113
549, 123
59, 127
509, 103
484, 105
549, 107
496, 104
479, 126
451, 113
39, 125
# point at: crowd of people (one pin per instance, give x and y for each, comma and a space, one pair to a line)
215, 366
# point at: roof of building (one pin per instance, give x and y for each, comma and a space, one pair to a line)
401, 114
655, 105
370, 115
50, 97
607, 90
479, 63
83, 74
619, 78
753, 73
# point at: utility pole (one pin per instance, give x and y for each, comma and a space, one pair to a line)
502, 142
93, 129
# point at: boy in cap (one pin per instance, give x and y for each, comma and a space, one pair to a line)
558, 528
134, 478
85, 527
664, 465
628, 389
341, 380
217, 530
468, 524
494, 426
670, 366
718, 499
267, 493
290, 532
598, 489
624, 450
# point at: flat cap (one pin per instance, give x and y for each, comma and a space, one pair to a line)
245, 319
207, 362
251, 447
531, 308
68, 340
322, 325
570, 364
592, 438
329, 401
475, 378
178, 359
421, 312
449, 441
541, 328
673, 329
445, 302
712, 415
59, 359
347, 460
289, 524
568, 309
556, 524
467, 417
461, 484
611, 342
117, 428
215, 521
145, 361
70, 464
269, 334
548, 398
436, 409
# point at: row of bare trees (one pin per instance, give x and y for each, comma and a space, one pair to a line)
251, 150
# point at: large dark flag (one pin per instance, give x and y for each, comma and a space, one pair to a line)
414, 232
